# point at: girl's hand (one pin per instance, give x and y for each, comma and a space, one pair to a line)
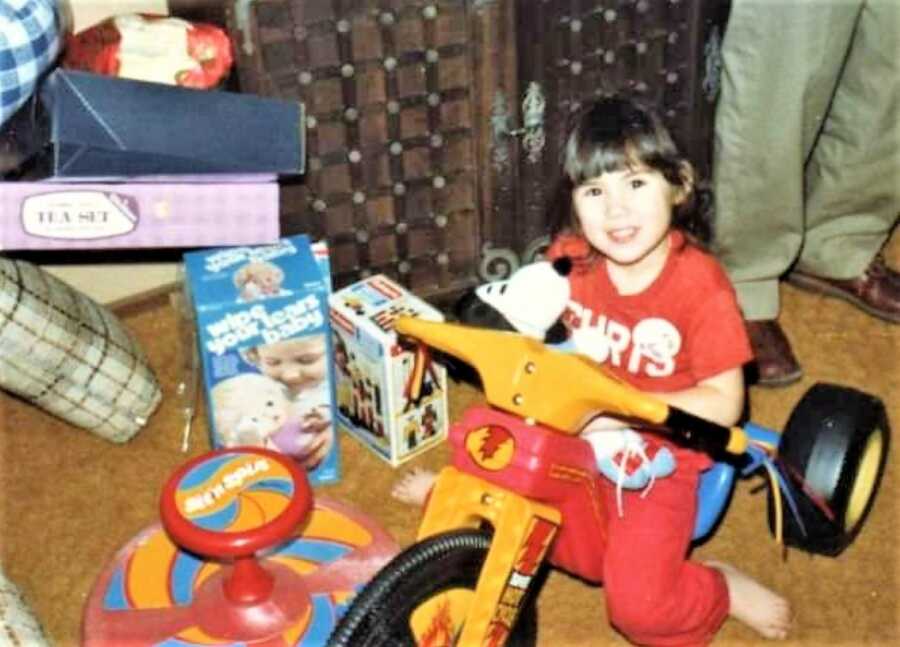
319, 428
315, 421
317, 449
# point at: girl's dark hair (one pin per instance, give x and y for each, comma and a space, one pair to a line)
615, 133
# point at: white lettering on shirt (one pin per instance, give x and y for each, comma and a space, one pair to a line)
650, 347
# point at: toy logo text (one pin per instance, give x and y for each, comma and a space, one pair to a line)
235, 255
491, 447
256, 325
79, 215
530, 555
230, 481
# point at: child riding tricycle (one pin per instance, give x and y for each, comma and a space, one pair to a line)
575, 463
521, 489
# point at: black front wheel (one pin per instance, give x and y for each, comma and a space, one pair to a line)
833, 451
421, 596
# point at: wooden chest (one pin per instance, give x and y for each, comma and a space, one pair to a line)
433, 125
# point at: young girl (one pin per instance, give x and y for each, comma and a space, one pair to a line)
657, 311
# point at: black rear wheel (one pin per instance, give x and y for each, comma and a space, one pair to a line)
833, 450
404, 604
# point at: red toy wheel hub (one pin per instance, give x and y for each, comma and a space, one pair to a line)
208, 507
196, 580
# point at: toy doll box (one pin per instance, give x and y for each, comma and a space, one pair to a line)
265, 349
393, 399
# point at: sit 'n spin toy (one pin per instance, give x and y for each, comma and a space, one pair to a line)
244, 557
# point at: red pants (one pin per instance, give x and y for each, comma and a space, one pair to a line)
654, 595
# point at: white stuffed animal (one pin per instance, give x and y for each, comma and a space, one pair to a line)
531, 302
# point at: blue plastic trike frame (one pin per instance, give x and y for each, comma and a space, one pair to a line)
717, 482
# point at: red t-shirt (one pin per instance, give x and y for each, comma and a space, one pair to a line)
683, 328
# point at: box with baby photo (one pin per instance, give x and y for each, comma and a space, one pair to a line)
265, 346
394, 399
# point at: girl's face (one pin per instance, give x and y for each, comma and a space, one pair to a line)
297, 363
626, 215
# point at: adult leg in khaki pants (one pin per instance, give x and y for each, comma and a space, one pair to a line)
806, 167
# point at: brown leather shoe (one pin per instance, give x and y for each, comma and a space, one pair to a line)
877, 291
775, 361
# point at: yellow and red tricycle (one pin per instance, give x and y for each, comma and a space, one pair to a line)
521, 489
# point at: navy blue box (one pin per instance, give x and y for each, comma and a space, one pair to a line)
102, 126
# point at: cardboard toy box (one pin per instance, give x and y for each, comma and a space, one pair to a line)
143, 212
265, 347
102, 126
379, 399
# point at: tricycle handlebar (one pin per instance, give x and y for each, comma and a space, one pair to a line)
519, 374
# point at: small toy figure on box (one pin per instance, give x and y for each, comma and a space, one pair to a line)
411, 430
258, 280
342, 362
429, 421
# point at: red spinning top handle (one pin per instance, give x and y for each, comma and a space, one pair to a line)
212, 506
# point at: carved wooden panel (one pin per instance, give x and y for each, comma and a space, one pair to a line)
433, 125
389, 92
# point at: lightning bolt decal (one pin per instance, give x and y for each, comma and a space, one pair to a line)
494, 437
491, 447
535, 545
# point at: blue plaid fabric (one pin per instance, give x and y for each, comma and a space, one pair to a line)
29, 43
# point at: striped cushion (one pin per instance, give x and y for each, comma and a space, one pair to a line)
71, 356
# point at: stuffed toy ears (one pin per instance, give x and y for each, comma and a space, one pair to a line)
531, 301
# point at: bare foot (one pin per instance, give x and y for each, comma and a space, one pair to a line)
414, 487
753, 604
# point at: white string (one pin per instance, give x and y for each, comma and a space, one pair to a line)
630, 450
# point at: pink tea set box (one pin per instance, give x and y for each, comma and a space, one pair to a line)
146, 212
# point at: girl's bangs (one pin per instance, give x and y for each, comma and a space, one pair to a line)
589, 160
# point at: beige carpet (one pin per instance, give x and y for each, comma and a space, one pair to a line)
70, 500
